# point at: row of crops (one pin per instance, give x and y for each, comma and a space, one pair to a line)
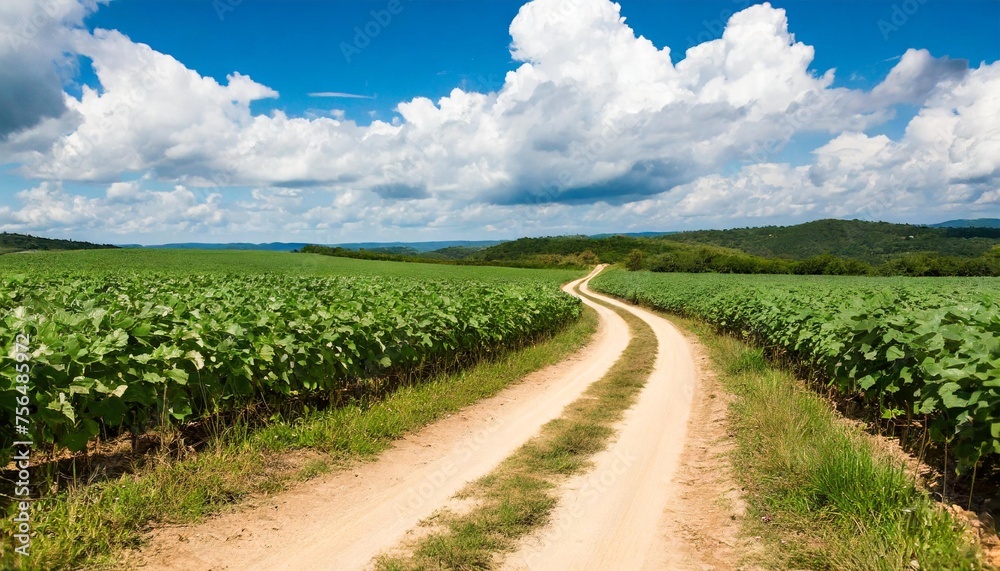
116, 351
927, 348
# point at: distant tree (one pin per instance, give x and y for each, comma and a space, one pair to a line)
589, 258
665, 263
634, 260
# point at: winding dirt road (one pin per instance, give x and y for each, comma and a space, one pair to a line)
612, 516
343, 520
639, 507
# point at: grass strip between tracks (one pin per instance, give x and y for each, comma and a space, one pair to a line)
520, 494
821, 492
94, 525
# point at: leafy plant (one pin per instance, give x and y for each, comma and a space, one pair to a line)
126, 351
924, 347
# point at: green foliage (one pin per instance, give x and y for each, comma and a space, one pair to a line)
190, 262
582, 252
130, 349
634, 260
382, 254
869, 242
909, 346
830, 496
22, 243
825, 247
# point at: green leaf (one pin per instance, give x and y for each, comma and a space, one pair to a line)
894, 353
178, 375
267, 353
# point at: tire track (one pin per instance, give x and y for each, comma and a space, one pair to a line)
612, 517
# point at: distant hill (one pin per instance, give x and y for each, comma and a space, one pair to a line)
584, 251
401, 248
11, 243
851, 247
871, 242
418, 246
969, 223
271, 246
632, 234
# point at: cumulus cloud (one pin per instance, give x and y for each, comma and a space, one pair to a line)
125, 208
948, 160
593, 115
152, 114
33, 39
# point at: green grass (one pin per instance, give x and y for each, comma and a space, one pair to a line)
831, 496
519, 495
190, 262
92, 525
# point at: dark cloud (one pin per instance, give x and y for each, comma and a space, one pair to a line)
28, 94
643, 179
400, 191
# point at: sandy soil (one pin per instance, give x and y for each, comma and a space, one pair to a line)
706, 506
659, 497
342, 520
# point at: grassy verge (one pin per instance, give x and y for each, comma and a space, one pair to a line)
821, 493
93, 525
519, 495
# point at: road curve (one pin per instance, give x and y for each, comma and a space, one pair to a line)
343, 520
611, 517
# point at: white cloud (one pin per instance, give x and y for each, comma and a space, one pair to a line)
123, 191
125, 208
593, 116
152, 114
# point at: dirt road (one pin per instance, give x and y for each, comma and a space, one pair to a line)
619, 515
343, 520
653, 500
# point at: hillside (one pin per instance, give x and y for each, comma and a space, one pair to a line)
11, 243
398, 248
870, 242
969, 223
834, 247
658, 255
841, 247
270, 246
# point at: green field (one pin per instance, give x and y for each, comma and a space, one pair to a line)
917, 348
192, 262
132, 339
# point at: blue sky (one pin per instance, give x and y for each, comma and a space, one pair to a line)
717, 141
431, 47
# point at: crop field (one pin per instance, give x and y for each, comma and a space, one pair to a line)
197, 262
922, 348
130, 339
